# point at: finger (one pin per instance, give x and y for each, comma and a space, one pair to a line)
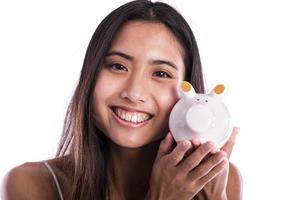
178, 152
228, 146
204, 168
196, 142
214, 172
165, 146
197, 156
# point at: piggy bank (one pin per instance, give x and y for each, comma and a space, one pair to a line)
202, 116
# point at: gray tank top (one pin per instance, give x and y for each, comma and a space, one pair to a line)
55, 179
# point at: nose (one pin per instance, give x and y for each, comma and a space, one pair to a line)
135, 89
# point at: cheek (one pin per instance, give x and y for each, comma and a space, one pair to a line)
106, 86
100, 93
166, 98
103, 91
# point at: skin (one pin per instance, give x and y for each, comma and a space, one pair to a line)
141, 84
151, 168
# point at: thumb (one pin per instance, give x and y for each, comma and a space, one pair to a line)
228, 146
165, 146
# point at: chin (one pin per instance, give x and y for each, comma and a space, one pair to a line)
134, 142
129, 143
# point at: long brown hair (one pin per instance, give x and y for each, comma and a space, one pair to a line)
84, 144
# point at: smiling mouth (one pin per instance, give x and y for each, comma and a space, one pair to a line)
131, 116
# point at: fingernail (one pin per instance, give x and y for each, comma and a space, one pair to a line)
224, 162
186, 143
196, 141
215, 150
201, 141
220, 156
209, 144
236, 129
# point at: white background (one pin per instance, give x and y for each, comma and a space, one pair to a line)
250, 46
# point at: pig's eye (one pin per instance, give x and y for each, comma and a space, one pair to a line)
206, 100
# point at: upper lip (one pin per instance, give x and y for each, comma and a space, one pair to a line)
130, 109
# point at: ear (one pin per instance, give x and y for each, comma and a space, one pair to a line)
218, 91
186, 89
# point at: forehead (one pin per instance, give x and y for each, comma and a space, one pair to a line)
149, 40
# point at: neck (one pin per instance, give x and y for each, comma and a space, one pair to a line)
130, 169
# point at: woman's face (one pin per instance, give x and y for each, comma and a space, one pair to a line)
137, 85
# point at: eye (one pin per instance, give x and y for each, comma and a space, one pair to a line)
162, 74
117, 67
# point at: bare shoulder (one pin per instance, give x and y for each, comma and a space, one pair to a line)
235, 183
31, 180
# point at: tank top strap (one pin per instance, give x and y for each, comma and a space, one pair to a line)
55, 179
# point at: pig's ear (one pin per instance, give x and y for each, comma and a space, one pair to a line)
186, 89
218, 91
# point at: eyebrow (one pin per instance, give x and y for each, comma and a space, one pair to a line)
155, 62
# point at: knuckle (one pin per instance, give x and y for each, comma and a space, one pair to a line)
200, 172
171, 159
196, 174
188, 165
225, 154
205, 148
175, 159
164, 163
193, 176
219, 156
206, 179
176, 155
186, 188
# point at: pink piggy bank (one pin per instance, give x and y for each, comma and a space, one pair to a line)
202, 116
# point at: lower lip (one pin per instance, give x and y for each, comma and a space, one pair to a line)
128, 124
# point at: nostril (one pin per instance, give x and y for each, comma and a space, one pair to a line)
136, 97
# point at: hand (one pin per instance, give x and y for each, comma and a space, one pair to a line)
216, 188
176, 175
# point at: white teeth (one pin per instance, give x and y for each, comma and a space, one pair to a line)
131, 116
123, 114
134, 118
127, 116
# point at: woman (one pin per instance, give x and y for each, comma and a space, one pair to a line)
115, 143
